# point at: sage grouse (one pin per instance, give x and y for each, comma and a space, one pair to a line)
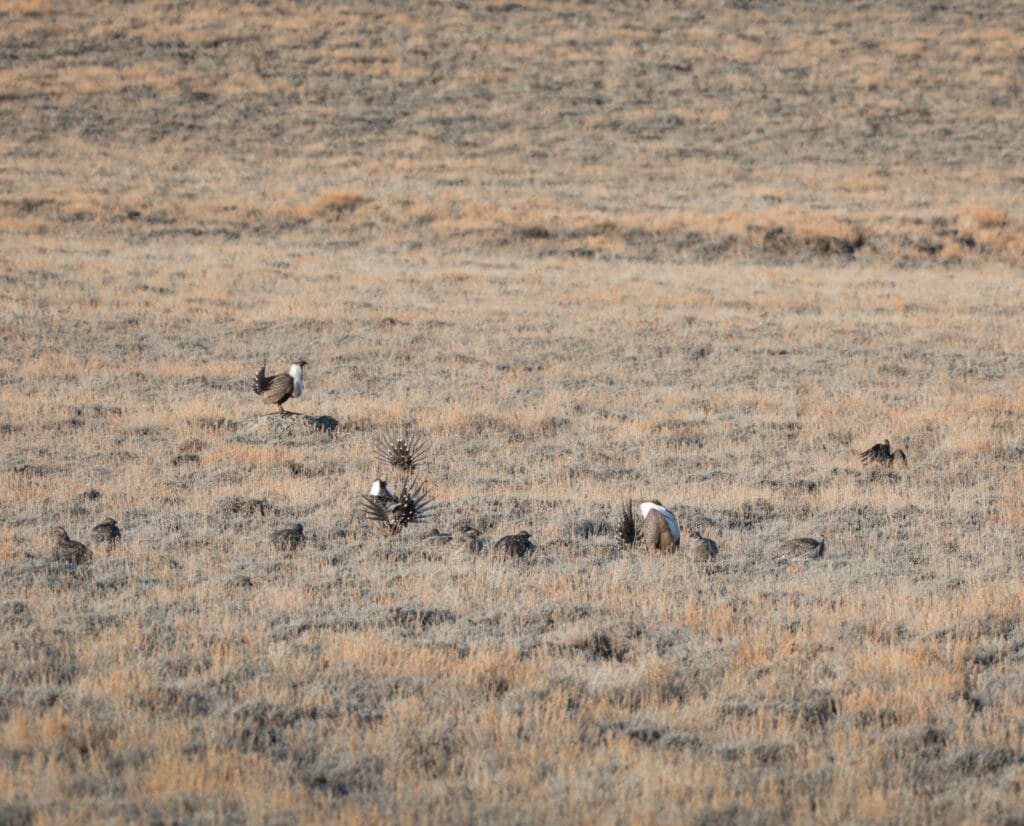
882, 454
467, 535
515, 545
66, 549
471, 539
288, 538
803, 547
700, 548
436, 537
659, 531
380, 492
394, 512
106, 532
405, 450
466, 542
277, 389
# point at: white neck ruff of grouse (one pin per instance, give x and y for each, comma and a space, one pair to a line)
295, 371
673, 525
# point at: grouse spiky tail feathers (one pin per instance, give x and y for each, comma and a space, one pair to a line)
626, 532
393, 512
883, 454
404, 450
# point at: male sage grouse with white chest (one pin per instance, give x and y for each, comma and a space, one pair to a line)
277, 389
659, 531
380, 494
883, 454
393, 512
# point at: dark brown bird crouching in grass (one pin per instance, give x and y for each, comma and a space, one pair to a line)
882, 454
66, 549
277, 389
516, 545
288, 538
106, 532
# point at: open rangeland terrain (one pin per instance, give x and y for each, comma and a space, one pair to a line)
595, 253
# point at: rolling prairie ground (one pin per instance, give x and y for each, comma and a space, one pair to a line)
597, 253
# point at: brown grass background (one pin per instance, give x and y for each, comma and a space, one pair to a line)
596, 252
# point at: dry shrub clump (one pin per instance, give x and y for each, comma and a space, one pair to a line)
330, 205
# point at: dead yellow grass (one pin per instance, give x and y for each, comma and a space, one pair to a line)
700, 690
596, 254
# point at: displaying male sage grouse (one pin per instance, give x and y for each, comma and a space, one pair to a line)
381, 493
882, 454
277, 389
516, 545
660, 527
288, 538
66, 549
405, 450
106, 532
394, 512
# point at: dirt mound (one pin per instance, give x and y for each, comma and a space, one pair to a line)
292, 426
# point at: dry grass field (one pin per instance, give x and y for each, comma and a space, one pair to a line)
596, 252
